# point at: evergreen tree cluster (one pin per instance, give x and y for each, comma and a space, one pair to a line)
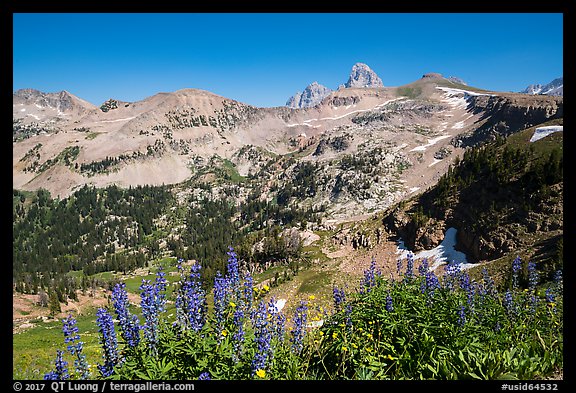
82, 232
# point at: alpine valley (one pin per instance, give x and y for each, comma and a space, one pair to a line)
307, 194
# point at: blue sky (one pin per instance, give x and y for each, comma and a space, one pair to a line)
262, 59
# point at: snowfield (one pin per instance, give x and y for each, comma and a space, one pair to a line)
431, 142
442, 254
542, 132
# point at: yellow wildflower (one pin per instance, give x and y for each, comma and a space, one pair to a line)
266, 288
224, 333
335, 335
389, 357
232, 304
354, 345
344, 349
311, 297
261, 373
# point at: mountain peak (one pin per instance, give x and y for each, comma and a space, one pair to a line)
554, 88
312, 95
363, 76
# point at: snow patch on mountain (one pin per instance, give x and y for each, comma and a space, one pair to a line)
542, 132
442, 254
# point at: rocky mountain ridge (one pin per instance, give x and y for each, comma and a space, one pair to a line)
369, 147
554, 88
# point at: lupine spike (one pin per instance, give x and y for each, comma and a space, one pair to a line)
61, 371
299, 329
339, 298
129, 323
75, 346
108, 341
152, 302
516, 266
262, 336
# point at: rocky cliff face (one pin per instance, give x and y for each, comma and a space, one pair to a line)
492, 217
312, 95
506, 114
363, 76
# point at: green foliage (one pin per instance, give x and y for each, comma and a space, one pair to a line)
410, 92
53, 237
423, 339
395, 330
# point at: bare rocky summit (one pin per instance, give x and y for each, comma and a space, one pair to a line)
312, 95
363, 76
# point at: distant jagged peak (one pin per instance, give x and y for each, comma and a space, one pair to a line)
62, 100
554, 88
312, 95
455, 79
363, 76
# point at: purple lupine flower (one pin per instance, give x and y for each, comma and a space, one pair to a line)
467, 287
280, 326
369, 280
299, 329
238, 336
488, 287
348, 313
452, 272
461, 315
61, 371
129, 324
409, 274
558, 276
262, 336
551, 298
389, 306
516, 266
108, 341
339, 298
423, 268
399, 267
432, 283
191, 301
532, 283
75, 346
532, 276
221, 301
205, 376
277, 320
509, 304
152, 303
